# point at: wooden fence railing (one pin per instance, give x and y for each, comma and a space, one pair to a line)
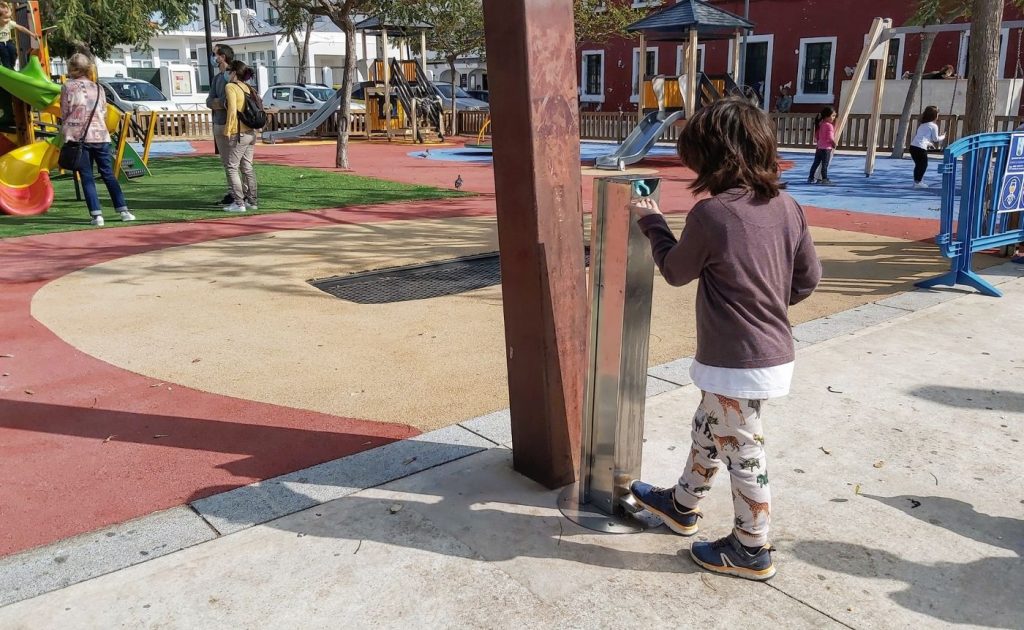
791, 130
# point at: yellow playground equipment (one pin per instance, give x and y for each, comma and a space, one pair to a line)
30, 141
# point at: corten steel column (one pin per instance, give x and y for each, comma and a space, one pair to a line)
537, 184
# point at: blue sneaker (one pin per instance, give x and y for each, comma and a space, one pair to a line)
727, 555
662, 502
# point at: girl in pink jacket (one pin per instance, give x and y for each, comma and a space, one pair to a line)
825, 142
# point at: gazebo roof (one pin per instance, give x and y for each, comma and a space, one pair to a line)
671, 23
394, 29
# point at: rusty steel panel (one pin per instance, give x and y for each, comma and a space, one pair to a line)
537, 184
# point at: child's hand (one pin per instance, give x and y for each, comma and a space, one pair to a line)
645, 207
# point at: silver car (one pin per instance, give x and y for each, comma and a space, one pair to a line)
463, 101
300, 96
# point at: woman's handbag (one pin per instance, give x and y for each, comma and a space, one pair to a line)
71, 153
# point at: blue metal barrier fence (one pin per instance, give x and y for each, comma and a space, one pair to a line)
979, 215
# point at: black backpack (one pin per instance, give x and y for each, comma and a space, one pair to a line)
253, 115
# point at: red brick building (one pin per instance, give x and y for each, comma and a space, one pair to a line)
808, 43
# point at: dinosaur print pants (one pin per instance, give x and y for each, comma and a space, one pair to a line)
728, 431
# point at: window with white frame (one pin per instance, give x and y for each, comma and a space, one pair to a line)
680, 58
592, 76
893, 60
650, 69
817, 70
169, 54
964, 56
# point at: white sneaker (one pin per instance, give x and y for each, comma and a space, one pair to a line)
127, 216
251, 206
235, 207
97, 221
920, 185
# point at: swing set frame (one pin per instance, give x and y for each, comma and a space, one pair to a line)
876, 50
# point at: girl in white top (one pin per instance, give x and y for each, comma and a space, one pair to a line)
8, 49
926, 137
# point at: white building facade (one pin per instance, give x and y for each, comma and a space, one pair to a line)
250, 28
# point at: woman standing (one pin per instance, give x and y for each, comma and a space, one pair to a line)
83, 110
241, 141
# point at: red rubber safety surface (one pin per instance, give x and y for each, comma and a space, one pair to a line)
84, 444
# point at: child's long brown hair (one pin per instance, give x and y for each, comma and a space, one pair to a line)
731, 144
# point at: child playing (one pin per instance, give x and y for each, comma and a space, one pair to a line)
927, 135
751, 250
8, 50
824, 142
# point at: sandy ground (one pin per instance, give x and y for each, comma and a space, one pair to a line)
237, 317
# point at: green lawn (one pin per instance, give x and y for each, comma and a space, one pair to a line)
183, 189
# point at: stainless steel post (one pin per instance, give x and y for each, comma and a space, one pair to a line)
621, 283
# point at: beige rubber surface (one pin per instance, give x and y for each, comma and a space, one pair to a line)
237, 317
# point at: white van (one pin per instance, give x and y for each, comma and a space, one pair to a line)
135, 95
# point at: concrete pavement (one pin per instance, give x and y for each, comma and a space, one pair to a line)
895, 469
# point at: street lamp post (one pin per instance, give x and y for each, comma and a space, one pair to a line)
209, 41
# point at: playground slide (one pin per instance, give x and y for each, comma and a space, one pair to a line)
25, 187
318, 118
31, 85
639, 141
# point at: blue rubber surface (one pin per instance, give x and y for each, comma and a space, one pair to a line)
589, 151
163, 149
889, 191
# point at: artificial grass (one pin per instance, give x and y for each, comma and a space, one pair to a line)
184, 189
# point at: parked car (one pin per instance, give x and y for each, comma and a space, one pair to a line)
480, 95
135, 95
463, 101
300, 96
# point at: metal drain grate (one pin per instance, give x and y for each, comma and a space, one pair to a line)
418, 282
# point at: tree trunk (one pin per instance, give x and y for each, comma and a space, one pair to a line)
300, 52
983, 66
345, 114
899, 143
304, 53
455, 114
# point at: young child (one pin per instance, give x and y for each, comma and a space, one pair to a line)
8, 49
750, 247
824, 142
927, 135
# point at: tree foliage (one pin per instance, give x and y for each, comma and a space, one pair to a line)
598, 21
100, 25
297, 23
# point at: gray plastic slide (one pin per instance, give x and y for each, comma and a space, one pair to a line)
309, 126
639, 141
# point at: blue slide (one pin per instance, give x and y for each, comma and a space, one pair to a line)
639, 141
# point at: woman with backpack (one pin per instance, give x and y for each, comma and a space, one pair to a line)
241, 139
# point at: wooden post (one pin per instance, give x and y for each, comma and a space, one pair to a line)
691, 72
540, 216
876, 110
736, 59
423, 51
874, 37
387, 83
366, 59
641, 71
